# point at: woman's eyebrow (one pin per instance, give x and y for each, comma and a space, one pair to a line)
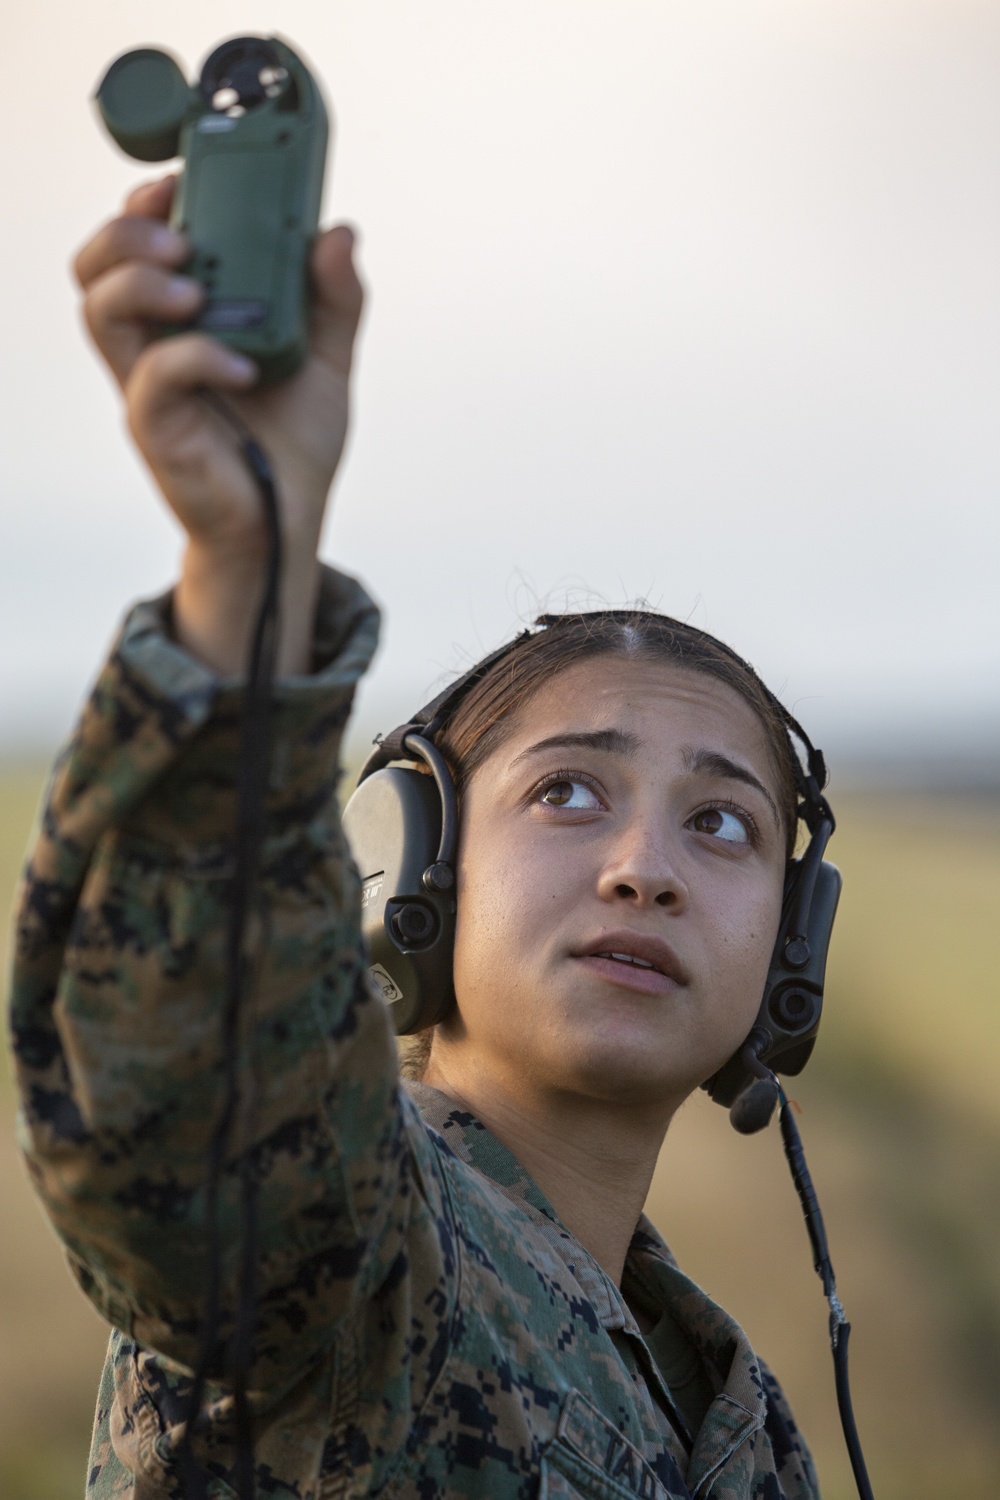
613, 741
712, 763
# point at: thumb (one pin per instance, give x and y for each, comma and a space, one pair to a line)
338, 296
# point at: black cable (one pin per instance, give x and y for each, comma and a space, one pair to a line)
255, 730
840, 1328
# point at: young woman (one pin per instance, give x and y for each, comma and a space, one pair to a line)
457, 1293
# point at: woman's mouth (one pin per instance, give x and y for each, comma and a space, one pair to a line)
627, 973
646, 965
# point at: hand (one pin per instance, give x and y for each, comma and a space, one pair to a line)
129, 275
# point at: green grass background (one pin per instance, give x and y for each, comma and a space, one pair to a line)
901, 1121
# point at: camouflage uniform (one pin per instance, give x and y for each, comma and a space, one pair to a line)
427, 1327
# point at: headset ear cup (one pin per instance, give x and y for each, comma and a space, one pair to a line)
787, 1021
393, 825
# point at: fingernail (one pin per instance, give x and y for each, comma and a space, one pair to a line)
165, 241
182, 288
240, 365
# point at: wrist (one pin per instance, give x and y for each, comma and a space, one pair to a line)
218, 595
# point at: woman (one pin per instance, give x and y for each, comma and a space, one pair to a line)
457, 1294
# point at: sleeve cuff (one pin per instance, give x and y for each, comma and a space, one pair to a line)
157, 715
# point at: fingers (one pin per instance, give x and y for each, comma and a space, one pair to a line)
152, 199
123, 302
131, 237
339, 296
171, 370
126, 269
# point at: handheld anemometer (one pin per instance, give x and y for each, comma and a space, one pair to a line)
252, 133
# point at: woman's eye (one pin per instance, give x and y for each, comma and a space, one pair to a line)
573, 794
723, 824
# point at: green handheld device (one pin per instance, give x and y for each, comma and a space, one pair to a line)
252, 133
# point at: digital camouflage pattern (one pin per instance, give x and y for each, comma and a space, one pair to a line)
427, 1327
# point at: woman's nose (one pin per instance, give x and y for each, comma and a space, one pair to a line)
642, 868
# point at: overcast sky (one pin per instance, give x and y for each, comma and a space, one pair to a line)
692, 301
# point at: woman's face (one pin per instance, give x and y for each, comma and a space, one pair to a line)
620, 875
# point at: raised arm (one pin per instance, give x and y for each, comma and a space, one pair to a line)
119, 967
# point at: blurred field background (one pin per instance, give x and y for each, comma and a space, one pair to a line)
692, 299
901, 1120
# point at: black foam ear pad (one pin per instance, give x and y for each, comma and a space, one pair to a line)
393, 825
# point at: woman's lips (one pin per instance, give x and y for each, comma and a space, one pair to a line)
636, 961
628, 976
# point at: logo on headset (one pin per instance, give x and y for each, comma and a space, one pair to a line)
384, 984
370, 889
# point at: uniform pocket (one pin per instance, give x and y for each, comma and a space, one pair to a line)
589, 1459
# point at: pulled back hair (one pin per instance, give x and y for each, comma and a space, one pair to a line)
486, 713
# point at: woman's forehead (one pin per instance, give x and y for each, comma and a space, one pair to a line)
660, 716
642, 696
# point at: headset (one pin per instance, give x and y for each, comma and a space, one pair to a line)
402, 826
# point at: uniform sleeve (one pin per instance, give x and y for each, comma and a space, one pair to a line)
118, 978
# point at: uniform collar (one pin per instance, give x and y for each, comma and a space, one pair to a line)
650, 1269
469, 1140
740, 1407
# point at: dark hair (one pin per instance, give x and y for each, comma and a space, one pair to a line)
485, 715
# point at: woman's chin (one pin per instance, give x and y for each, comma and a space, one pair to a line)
626, 1066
